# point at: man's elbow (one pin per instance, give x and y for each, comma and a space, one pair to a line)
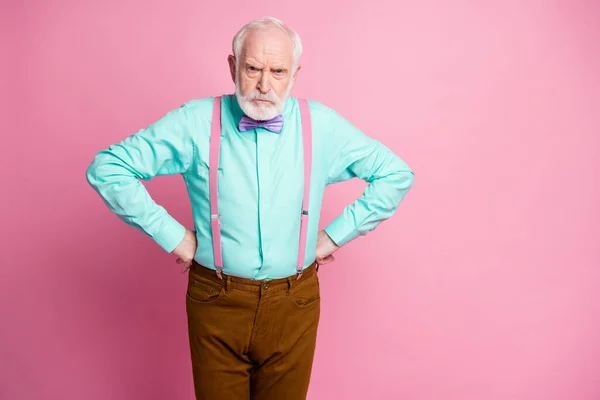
405, 179
92, 172
403, 174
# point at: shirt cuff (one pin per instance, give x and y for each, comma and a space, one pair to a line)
341, 231
170, 235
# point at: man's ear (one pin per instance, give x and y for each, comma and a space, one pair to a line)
296, 72
231, 60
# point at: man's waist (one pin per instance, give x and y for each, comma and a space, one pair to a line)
253, 274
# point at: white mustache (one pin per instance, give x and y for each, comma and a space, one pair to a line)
270, 96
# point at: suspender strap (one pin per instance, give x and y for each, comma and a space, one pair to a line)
307, 149
215, 221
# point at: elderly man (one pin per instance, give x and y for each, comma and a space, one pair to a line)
255, 165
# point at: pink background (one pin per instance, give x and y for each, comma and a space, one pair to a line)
484, 286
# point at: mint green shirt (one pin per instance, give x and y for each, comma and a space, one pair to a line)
260, 183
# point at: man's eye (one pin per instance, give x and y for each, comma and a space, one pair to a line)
252, 69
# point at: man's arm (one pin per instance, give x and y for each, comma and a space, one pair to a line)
163, 148
389, 178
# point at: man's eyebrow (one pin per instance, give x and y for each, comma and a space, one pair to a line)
252, 62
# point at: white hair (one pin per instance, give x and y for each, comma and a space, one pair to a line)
262, 23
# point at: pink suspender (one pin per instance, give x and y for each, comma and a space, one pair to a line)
307, 148
215, 222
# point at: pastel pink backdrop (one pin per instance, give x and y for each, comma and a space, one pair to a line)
484, 286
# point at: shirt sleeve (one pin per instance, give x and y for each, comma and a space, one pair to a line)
163, 148
389, 178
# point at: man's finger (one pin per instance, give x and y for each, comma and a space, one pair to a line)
325, 260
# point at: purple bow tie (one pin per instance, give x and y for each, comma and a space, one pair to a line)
273, 125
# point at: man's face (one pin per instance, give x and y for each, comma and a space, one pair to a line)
264, 74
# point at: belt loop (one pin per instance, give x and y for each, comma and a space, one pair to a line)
289, 281
228, 284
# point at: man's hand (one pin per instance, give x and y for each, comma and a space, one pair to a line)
186, 250
325, 248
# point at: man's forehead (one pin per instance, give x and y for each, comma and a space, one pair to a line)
267, 41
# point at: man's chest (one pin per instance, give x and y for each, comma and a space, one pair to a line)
251, 165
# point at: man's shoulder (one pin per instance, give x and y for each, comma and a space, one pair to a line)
203, 104
199, 110
329, 119
322, 114
319, 109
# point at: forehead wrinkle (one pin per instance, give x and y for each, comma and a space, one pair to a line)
272, 46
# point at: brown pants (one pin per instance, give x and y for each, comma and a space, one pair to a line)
252, 339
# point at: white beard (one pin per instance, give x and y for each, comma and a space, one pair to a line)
262, 111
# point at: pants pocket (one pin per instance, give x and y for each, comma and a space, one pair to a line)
306, 293
204, 291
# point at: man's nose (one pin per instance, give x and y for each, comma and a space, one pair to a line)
264, 85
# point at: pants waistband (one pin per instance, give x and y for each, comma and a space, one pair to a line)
253, 285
